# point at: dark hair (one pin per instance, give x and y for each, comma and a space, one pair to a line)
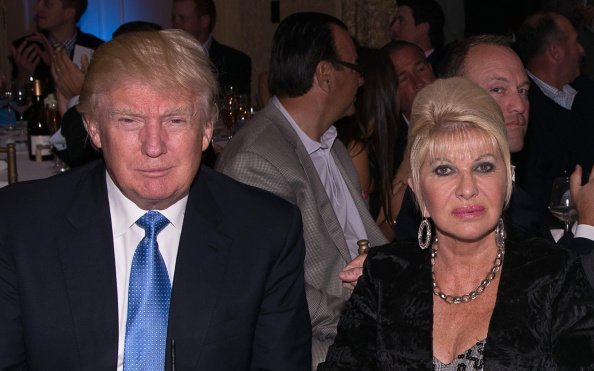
537, 31
80, 6
428, 11
136, 26
455, 56
205, 7
376, 106
300, 42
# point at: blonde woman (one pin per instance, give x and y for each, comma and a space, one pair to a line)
465, 295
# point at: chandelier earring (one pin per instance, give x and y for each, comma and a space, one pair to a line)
424, 235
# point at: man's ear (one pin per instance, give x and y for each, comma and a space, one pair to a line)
323, 75
555, 50
424, 27
205, 21
207, 129
70, 13
92, 127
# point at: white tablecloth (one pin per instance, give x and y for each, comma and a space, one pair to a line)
26, 169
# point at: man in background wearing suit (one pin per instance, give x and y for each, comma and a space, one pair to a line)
421, 22
489, 61
561, 111
56, 25
198, 18
146, 260
289, 148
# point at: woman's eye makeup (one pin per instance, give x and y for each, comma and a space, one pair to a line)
485, 167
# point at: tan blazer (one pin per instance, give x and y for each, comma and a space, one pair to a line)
268, 154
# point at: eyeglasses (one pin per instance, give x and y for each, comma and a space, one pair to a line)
352, 66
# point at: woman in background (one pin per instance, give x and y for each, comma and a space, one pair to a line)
468, 298
370, 134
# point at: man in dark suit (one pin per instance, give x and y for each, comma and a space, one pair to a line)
56, 25
490, 62
421, 22
198, 17
561, 110
145, 260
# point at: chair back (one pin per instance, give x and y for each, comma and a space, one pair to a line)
11, 160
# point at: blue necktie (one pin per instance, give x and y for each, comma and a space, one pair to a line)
148, 300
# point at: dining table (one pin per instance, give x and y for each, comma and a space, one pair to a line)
26, 168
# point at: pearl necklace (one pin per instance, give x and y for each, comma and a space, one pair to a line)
452, 299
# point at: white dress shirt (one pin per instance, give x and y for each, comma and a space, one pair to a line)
127, 236
564, 97
341, 199
585, 231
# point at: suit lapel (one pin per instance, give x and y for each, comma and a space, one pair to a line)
199, 272
322, 201
343, 161
86, 253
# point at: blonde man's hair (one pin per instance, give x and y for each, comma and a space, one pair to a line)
447, 115
169, 60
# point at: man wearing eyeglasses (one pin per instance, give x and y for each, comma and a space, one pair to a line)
290, 149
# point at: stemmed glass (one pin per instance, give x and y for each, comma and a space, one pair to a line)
6, 99
561, 205
21, 100
229, 109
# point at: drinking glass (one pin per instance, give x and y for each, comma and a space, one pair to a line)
243, 111
21, 100
561, 205
229, 109
6, 100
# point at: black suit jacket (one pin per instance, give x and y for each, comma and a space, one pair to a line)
79, 149
557, 139
43, 71
232, 66
238, 299
543, 317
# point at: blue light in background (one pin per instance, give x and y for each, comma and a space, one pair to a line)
105, 16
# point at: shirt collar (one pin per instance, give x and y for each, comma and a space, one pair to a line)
207, 44
68, 44
124, 212
563, 97
310, 145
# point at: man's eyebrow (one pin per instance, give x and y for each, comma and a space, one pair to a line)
181, 110
498, 78
124, 111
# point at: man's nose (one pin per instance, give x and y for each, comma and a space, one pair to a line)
153, 139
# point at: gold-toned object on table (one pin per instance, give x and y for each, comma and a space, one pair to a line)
39, 151
363, 247
10, 151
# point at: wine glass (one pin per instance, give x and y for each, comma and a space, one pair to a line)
6, 100
561, 205
21, 100
243, 111
229, 109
